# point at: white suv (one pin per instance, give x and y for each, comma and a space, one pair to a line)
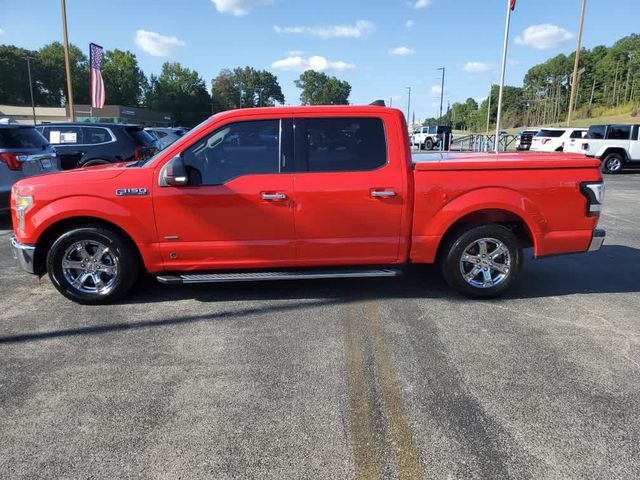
617, 146
553, 139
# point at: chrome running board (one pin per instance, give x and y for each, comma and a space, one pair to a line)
283, 275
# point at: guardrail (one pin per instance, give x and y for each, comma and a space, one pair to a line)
473, 143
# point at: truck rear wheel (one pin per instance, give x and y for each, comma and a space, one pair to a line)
428, 144
92, 265
482, 261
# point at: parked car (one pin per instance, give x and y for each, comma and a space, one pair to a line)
88, 144
430, 137
300, 193
23, 153
552, 139
524, 139
165, 135
617, 146
573, 144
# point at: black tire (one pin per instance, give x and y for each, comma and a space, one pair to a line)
452, 264
95, 161
116, 269
428, 144
612, 163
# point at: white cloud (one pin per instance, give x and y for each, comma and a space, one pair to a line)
543, 36
317, 63
421, 4
361, 28
410, 24
157, 45
2, 32
402, 51
477, 67
238, 7
436, 89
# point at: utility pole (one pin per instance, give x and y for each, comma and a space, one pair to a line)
33, 105
441, 93
574, 82
510, 4
408, 104
489, 108
66, 60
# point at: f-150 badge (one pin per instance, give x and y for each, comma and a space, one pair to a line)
121, 192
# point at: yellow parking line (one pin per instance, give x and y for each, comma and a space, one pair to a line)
406, 455
362, 439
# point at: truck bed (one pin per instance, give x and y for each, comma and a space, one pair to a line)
501, 161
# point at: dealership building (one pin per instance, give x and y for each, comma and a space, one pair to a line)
83, 113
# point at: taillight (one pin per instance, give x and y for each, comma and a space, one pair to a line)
594, 191
585, 146
138, 153
11, 159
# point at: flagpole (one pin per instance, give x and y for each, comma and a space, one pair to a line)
576, 64
496, 143
66, 60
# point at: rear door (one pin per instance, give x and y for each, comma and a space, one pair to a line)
634, 144
349, 197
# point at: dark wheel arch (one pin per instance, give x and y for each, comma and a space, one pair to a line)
95, 161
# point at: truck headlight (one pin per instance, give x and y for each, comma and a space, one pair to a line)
23, 203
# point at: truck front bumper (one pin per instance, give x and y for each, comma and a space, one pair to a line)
23, 255
597, 239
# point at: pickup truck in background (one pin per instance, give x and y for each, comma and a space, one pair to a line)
303, 192
617, 146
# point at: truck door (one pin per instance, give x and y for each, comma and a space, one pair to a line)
349, 196
634, 144
236, 210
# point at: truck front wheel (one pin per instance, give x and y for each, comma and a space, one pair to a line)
482, 261
92, 265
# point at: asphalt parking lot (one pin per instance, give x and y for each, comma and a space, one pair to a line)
396, 378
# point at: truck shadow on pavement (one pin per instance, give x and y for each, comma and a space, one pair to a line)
614, 269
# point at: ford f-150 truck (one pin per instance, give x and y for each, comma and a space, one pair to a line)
302, 192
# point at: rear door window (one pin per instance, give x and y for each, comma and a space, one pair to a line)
619, 132
21, 137
341, 144
95, 135
578, 134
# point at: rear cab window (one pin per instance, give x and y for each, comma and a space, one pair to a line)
550, 133
21, 137
340, 144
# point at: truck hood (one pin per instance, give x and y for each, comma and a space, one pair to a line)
85, 175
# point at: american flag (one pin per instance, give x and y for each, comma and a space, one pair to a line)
97, 85
513, 4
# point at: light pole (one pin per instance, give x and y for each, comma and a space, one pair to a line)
33, 105
574, 83
441, 93
408, 104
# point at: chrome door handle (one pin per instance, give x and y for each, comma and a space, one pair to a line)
274, 196
383, 193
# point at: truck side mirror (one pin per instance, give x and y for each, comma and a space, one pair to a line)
174, 173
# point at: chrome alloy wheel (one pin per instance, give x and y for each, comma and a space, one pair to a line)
485, 263
613, 164
90, 267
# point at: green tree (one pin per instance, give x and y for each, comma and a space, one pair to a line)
181, 92
14, 79
321, 89
51, 75
246, 87
125, 83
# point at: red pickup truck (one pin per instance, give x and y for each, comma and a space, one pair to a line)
303, 192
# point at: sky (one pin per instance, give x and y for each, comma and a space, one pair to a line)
379, 46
